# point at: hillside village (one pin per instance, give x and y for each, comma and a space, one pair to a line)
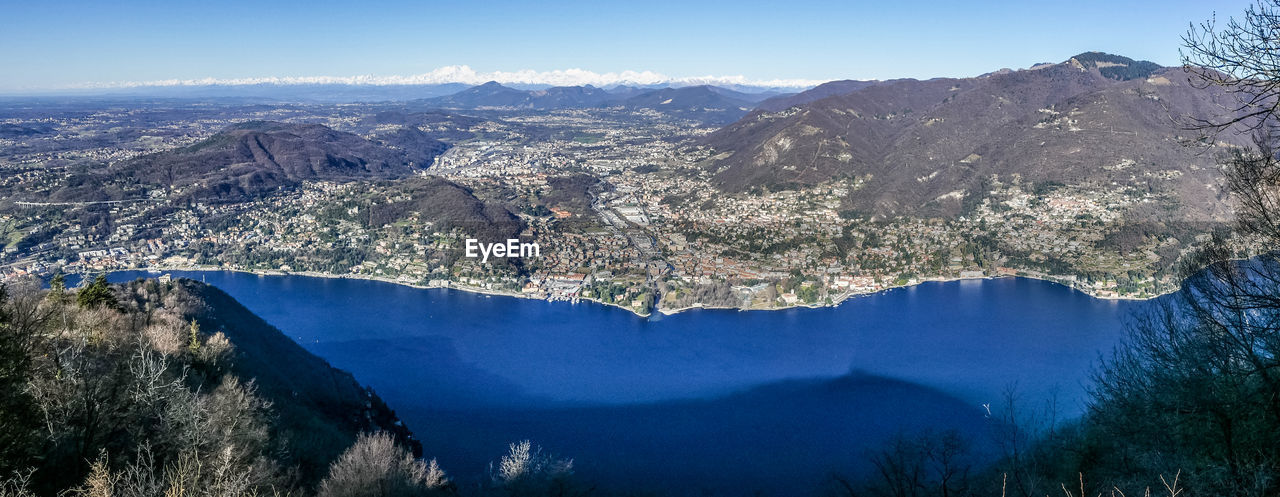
652, 234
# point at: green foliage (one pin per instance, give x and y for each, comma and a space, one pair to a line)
1042, 188
1118, 67
58, 284
193, 338
97, 294
608, 292
536, 210
447, 205
808, 293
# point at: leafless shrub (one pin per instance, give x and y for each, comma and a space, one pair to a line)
165, 333
1241, 56
221, 436
189, 475
214, 349
97, 326
526, 470
16, 486
375, 465
100, 483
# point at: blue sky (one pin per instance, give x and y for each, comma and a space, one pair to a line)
59, 44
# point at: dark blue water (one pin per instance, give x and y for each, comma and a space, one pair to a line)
715, 399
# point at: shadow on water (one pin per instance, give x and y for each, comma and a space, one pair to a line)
438, 376
708, 399
782, 438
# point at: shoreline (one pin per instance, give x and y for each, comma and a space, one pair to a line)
835, 302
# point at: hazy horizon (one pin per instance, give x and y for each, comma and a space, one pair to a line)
141, 43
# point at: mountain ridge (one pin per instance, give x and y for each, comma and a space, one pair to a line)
1064, 122
707, 103
252, 158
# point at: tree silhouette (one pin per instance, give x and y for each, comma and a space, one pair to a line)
1196, 385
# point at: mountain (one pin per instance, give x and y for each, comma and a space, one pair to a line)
448, 205
689, 97
623, 92
925, 147
254, 158
703, 103
493, 94
747, 96
335, 93
16, 131
1116, 66
414, 143
830, 88
444, 126
569, 97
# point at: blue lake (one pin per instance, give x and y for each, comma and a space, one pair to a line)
708, 400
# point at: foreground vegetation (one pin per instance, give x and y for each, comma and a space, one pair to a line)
172, 389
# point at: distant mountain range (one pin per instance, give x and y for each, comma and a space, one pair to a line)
703, 103
819, 92
492, 94
342, 93
925, 147
263, 92
254, 159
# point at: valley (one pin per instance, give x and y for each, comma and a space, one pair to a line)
685, 249
638, 201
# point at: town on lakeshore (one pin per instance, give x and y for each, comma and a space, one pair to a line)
621, 249
627, 205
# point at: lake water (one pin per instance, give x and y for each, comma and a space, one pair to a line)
712, 401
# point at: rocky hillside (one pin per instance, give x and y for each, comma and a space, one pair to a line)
251, 159
319, 408
928, 147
